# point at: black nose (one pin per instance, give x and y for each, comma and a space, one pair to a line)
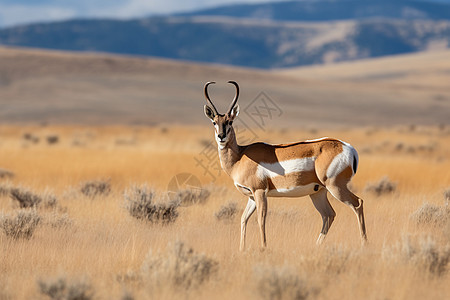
221, 136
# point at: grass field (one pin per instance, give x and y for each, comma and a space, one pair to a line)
92, 246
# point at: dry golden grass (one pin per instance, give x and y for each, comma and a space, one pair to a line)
94, 244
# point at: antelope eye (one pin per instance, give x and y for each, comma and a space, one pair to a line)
214, 123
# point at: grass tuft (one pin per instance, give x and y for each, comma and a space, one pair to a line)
6, 174
52, 139
180, 267
381, 187
191, 197
25, 197
5, 188
423, 254
96, 188
447, 197
429, 214
21, 225
28, 199
62, 289
282, 283
140, 205
226, 212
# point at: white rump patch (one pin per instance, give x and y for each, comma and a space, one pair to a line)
342, 160
283, 168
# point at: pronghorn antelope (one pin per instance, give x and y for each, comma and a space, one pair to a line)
261, 170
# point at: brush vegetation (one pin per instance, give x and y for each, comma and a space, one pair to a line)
126, 238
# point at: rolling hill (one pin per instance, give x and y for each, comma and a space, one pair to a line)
51, 87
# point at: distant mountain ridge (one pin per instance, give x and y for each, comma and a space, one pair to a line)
331, 10
267, 35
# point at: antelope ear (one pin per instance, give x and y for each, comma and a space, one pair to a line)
234, 112
209, 112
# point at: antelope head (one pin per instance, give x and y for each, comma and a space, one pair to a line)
223, 123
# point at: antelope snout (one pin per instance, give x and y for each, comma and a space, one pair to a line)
221, 137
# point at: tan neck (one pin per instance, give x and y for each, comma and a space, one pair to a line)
230, 154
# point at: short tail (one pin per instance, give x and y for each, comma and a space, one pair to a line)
355, 160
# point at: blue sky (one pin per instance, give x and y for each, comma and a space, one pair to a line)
15, 12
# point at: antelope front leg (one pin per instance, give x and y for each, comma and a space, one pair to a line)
251, 205
261, 208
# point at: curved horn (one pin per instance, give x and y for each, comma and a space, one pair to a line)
207, 96
235, 97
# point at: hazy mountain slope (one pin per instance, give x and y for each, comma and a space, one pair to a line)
241, 42
328, 10
55, 87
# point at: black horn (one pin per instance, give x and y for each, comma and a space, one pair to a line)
235, 97
207, 96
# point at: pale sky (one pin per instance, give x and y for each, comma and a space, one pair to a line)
16, 12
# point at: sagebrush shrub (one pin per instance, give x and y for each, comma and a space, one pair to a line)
140, 205
31, 138
429, 214
52, 139
5, 188
447, 197
25, 197
422, 253
226, 212
62, 289
96, 188
191, 196
426, 255
21, 225
384, 186
180, 267
28, 199
282, 283
56, 220
6, 174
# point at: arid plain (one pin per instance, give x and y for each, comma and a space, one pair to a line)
85, 135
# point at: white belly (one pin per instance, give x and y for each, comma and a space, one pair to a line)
297, 191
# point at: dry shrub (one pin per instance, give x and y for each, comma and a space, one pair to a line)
56, 220
226, 212
178, 268
21, 225
140, 205
429, 214
384, 186
31, 138
282, 283
52, 139
424, 254
6, 174
192, 196
447, 197
127, 295
330, 261
25, 197
62, 289
96, 188
5, 188
28, 199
